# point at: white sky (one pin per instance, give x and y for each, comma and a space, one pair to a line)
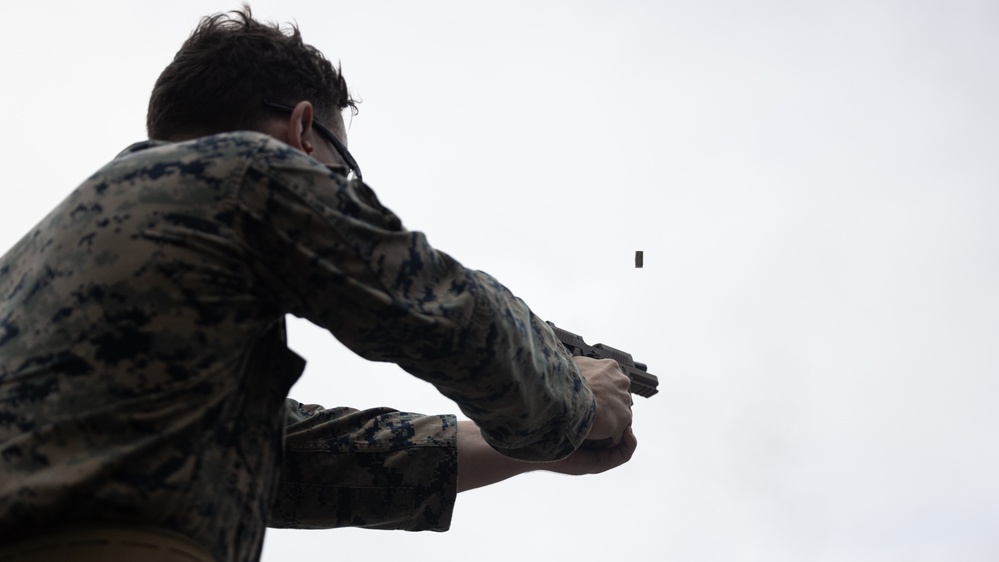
815, 187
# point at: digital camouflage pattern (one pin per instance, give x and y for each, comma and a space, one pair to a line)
393, 470
144, 369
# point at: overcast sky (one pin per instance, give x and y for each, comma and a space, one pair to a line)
815, 187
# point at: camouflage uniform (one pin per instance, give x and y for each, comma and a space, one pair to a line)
144, 369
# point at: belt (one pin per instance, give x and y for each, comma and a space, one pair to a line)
106, 543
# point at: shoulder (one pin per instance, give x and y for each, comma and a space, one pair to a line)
215, 153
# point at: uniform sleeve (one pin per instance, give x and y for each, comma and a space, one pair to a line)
378, 468
328, 251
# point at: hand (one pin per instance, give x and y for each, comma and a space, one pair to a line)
481, 465
610, 392
586, 460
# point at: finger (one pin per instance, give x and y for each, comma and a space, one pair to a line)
629, 443
606, 443
629, 438
622, 453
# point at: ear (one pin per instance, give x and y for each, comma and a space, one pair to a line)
300, 127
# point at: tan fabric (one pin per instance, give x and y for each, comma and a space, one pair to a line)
106, 544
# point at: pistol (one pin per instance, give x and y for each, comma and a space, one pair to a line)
642, 383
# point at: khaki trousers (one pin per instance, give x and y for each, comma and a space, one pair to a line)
106, 543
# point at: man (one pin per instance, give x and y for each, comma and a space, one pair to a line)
143, 364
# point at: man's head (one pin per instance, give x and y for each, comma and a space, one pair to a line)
230, 66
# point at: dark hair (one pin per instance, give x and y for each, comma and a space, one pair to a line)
229, 66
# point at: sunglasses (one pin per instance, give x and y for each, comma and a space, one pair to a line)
326, 134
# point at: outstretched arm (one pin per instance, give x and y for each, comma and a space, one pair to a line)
480, 465
612, 441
